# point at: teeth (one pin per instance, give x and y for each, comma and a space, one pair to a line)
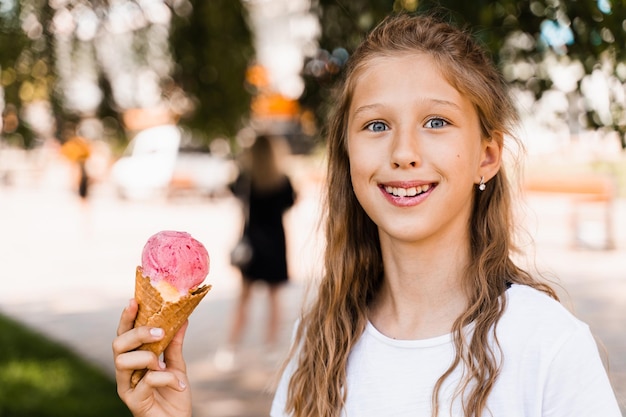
407, 192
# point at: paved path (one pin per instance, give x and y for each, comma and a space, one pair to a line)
68, 270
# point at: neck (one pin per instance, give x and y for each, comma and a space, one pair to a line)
422, 292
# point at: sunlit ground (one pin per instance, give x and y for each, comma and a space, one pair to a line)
68, 270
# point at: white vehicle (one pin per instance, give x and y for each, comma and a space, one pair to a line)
204, 174
147, 167
154, 166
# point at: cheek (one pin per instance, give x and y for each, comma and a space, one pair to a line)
462, 160
360, 166
359, 174
355, 174
360, 188
362, 153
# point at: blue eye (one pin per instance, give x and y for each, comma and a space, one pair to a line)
377, 127
436, 123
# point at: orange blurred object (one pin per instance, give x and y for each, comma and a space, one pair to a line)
139, 119
76, 149
257, 76
274, 106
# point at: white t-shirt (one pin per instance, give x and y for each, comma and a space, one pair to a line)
551, 367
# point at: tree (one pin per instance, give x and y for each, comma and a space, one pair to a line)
528, 40
212, 49
25, 68
99, 59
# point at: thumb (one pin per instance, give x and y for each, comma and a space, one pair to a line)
173, 355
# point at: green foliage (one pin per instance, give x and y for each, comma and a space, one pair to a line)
23, 62
40, 378
212, 49
595, 26
211, 45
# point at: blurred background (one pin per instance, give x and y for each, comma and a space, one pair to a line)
124, 117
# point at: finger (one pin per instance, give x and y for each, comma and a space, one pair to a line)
158, 379
127, 360
136, 337
143, 395
127, 320
173, 355
138, 359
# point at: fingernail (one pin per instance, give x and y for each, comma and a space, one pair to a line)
181, 384
156, 332
161, 364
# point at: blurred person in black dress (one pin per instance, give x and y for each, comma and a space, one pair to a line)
266, 194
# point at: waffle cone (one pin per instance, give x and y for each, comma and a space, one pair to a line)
155, 312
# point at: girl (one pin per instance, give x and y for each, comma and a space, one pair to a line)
266, 193
421, 311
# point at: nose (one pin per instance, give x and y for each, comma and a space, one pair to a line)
405, 152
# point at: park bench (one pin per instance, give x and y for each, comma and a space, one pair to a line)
582, 189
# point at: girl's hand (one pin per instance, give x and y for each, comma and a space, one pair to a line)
163, 391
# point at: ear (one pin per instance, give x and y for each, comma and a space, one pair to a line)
490, 157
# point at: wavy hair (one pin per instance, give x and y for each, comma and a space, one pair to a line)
353, 267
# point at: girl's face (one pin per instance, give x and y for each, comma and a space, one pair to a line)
415, 150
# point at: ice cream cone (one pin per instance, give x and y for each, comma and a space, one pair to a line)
155, 312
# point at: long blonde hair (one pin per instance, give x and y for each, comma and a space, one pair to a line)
353, 262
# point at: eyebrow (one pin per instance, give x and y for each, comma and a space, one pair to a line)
366, 108
429, 101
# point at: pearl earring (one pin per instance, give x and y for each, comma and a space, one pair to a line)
482, 185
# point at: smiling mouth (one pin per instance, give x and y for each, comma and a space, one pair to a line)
408, 192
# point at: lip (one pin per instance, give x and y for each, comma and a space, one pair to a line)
406, 184
407, 201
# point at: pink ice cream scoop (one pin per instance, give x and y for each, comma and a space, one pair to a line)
176, 258
167, 286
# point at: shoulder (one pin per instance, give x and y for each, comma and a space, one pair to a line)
544, 345
536, 308
532, 318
